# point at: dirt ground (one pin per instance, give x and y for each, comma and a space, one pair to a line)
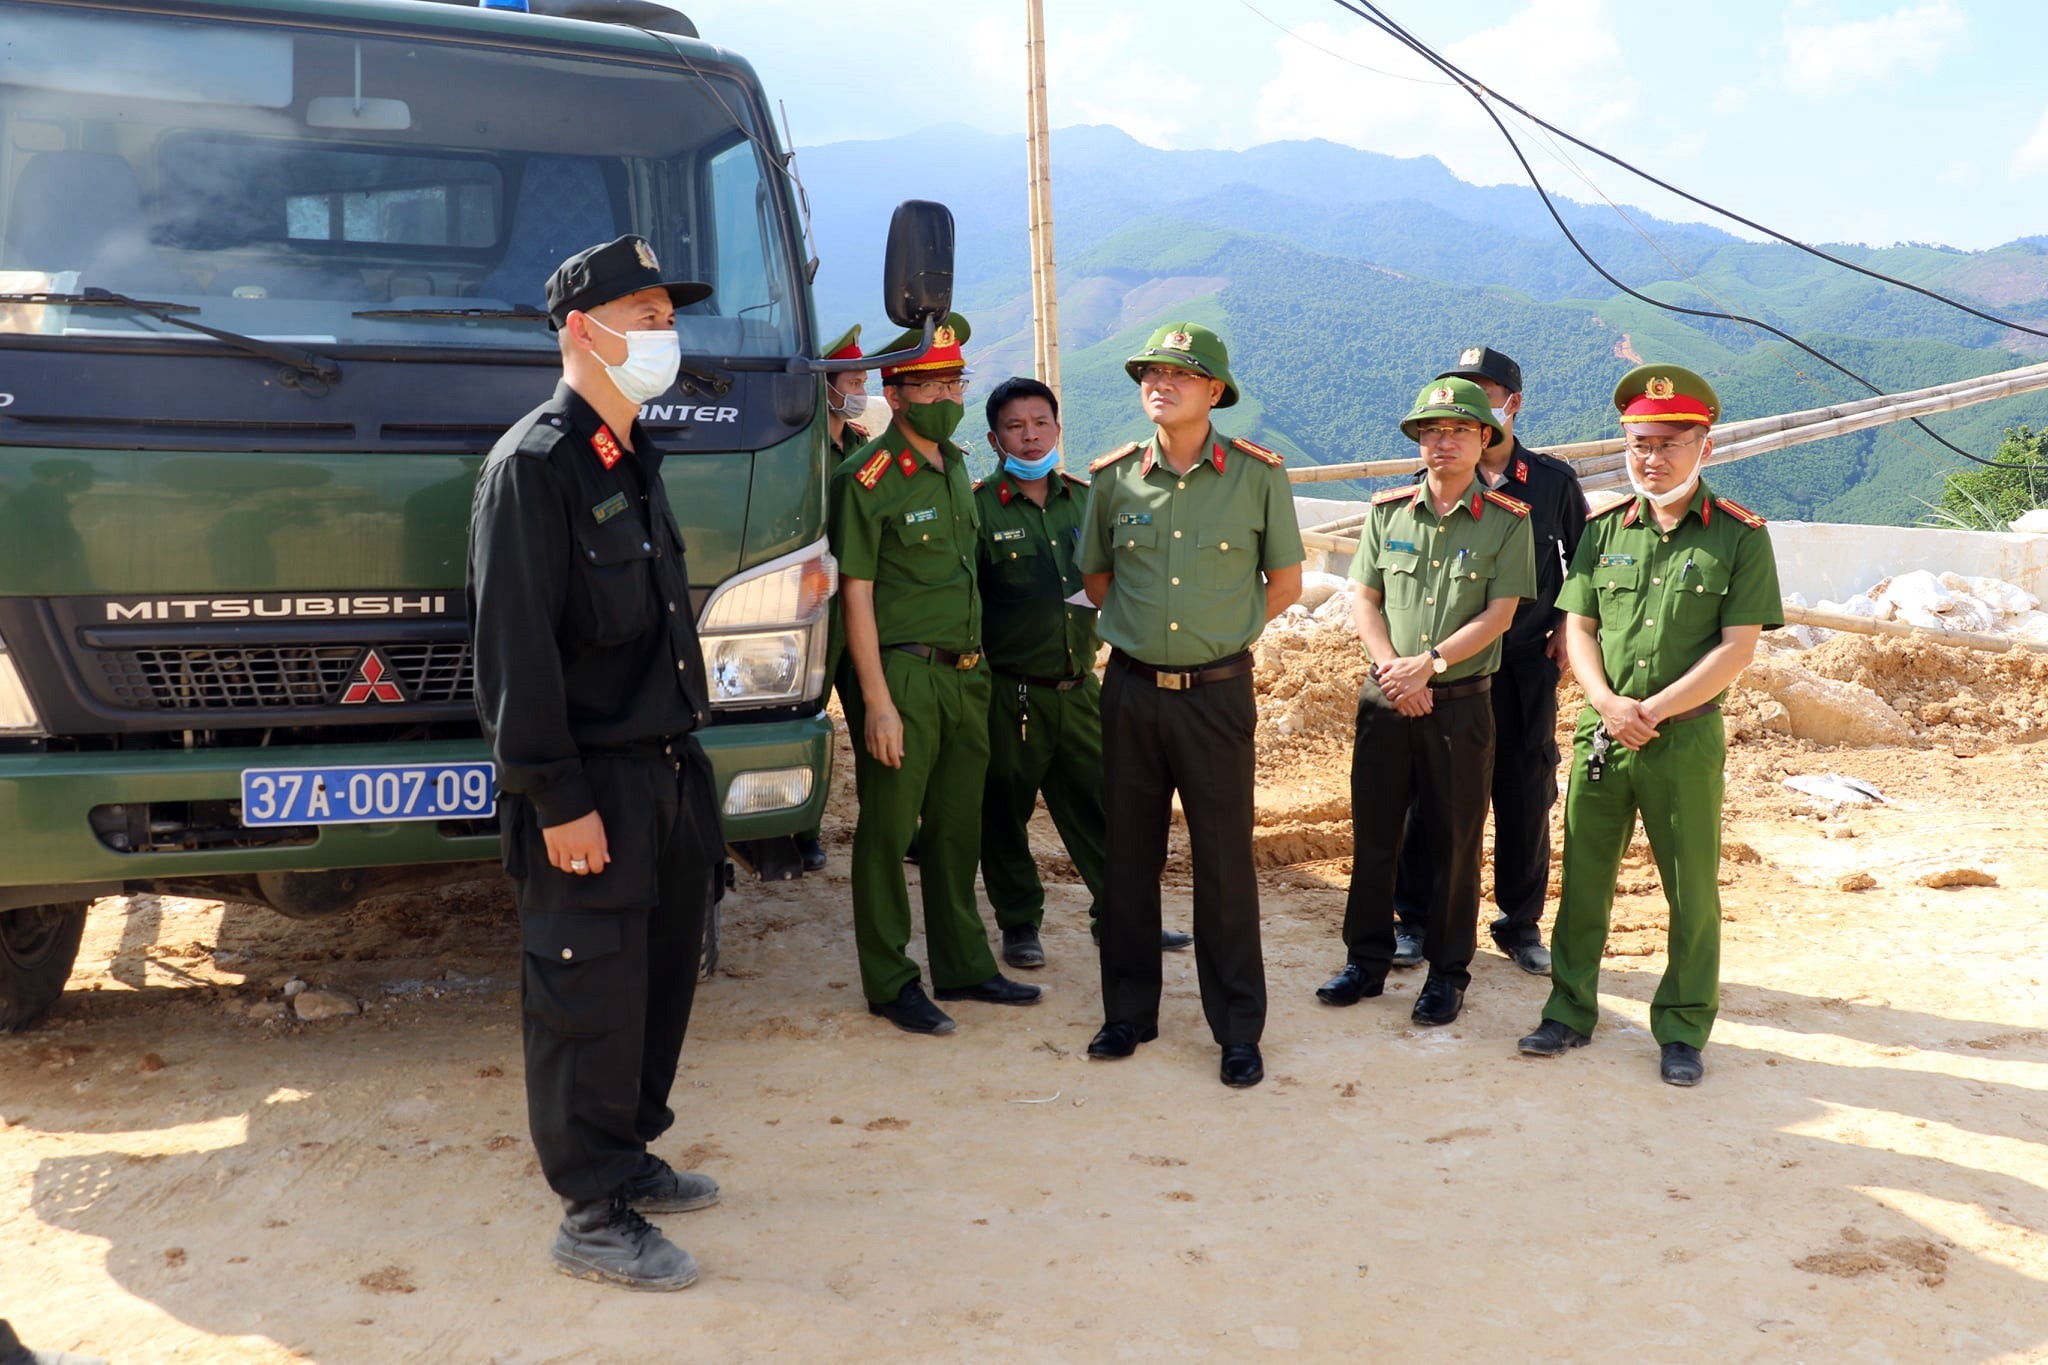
1863, 1175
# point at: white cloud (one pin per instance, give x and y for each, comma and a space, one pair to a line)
2032, 156
1560, 58
1115, 73
1825, 57
1728, 99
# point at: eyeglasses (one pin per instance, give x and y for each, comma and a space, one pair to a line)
1171, 376
930, 388
1427, 432
1669, 445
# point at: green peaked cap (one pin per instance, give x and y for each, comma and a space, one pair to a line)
1191, 346
1453, 398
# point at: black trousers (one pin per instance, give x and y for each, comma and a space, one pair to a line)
1197, 742
1524, 789
1438, 766
610, 965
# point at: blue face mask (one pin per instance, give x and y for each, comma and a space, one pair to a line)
1033, 469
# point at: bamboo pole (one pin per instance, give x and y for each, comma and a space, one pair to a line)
1045, 310
1345, 523
1865, 625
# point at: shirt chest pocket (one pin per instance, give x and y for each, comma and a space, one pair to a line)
1400, 581
1469, 580
923, 548
1700, 590
1620, 590
616, 580
1014, 566
1227, 559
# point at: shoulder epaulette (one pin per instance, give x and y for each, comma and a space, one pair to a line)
1406, 494
978, 483
871, 473
1257, 451
1512, 504
1074, 479
1739, 512
1105, 461
540, 439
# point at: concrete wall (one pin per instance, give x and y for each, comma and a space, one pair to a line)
1827, 562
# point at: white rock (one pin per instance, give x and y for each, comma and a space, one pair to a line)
1317, 587
2031, 625
322, 1003
293, 987
1918, 591
2008, 599
2035, 521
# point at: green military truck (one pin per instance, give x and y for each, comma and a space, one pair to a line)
270, 285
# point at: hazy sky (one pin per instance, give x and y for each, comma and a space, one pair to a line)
1837, 120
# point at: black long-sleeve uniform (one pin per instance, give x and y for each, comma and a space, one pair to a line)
589, 682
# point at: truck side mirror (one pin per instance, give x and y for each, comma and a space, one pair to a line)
917, 272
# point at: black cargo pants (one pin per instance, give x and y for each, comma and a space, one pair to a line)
610, 963
1524, 789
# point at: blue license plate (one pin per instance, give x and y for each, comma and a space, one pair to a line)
359, 795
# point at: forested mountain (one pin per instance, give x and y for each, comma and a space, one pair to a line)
1343, 280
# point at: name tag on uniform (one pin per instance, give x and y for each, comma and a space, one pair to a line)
927, 514
1015, 534
609, 508
1134, 518
1406, 547
1617, 561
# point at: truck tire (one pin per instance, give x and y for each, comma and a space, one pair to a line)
38, 944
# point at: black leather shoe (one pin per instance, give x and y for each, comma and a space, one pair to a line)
1532, 958
1021, 947
811, 852
1681, 1064
1242, 1065
1407, 947
1349, 986
1173, 940
1551, 1039
1439, 1002
997, 990
913, 1012
1117, 1039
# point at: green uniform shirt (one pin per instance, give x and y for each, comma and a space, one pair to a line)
1434, 573
1188, 549
1662, 597
909, 530
1028, 568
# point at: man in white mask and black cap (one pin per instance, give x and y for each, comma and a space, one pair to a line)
590, 684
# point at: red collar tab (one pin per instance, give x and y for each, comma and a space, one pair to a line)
907, 462
1635, 510
1478, 501
607, 447
1151, 457
1521, 470
1004, 492
1706, 510
1216, 456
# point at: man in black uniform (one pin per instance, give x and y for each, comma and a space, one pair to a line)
1524, 694
589, 682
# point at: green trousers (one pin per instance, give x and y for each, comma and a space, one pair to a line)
945, 754
1056, 749
1675, 782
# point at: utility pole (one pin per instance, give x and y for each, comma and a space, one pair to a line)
1045, 308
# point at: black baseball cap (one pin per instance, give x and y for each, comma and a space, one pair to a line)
599, 274
1483, 362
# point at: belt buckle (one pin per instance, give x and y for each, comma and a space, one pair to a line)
1172, 682
967, 661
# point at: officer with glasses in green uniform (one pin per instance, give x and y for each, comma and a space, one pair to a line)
1664, 604
903, 528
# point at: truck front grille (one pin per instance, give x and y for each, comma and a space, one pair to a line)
284, 677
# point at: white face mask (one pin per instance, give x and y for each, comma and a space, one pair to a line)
652, 361
1503, 416
1679, 494
845, 405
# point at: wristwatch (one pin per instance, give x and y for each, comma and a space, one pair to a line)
1437, 662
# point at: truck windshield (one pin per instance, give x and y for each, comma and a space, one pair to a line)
339, 191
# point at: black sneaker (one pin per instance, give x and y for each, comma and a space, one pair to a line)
913, 1012
1681, 1064
606, 1240
1021, 947
1551, 1039
661, 1188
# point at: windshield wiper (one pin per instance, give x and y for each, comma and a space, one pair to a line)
294, 357
527, 314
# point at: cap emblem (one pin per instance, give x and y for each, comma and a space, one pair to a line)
1660, 388
944, 336
645, 254
1443, 395
1470, 356
1178, 341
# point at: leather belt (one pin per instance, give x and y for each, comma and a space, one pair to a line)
1469, 687
1705, 708
1180, 679
944, 657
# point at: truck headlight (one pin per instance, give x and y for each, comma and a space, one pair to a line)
768, 789
764, 631
17, 713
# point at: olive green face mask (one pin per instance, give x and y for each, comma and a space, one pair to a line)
935, 421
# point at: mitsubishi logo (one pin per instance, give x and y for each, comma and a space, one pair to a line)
370, 683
